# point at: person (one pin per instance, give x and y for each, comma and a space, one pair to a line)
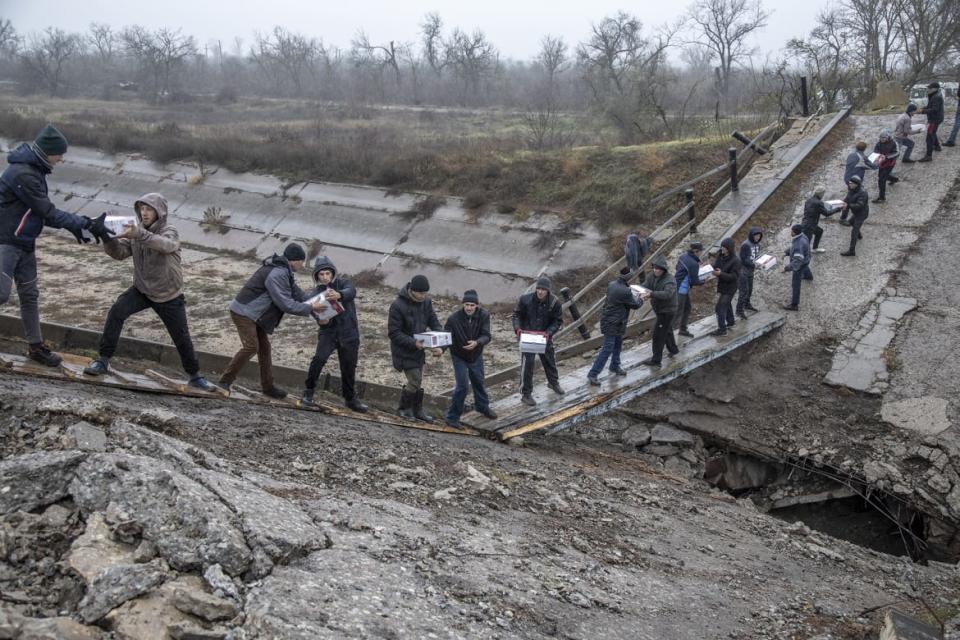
934, 113
687, 275
663, 300
902, 131
857, 203
637, 246
888, 149
154, 246
25, 209
538, 311
613, 325
799, 253
952, 140
340, 333
813, 208
726, 269
258, 308
749, 253
411, 313
857, 163
469, 329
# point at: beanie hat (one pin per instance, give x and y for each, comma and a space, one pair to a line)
856, 179
470, 295
625, 271
796, 229
911, 108
51, 141
696, 246
885, 133
819, 190
294, 252
659, 263
933, 85
419, 283
543, 282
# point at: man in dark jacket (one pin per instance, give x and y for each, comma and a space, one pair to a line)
469, 329
934, 113
952, 140
663, 300
687, 276
749, 253
813, 208
538, 311
340, 333
902, 131
635, 249
412, 313
799, 265
858, 204
25, 209
857, 163
889, 152
726, 269
613, 325
257, 310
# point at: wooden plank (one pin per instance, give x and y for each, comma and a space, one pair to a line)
182, 387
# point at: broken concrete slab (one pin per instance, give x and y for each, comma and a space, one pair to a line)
87, 437
665, 434
635, 436
193, 599
95, 550
36, 479
926, 415
115, 585
59, 628
149, 616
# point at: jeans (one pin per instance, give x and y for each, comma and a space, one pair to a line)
663, 336
956, 125
684, 307
907, 145
933, 143
255, 342
611, 348
20, 266
527, 360
724, 311
173, 314
746, 290
348, 353
883, 176
813, 235
467, 374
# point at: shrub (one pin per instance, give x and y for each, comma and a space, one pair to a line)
475, 199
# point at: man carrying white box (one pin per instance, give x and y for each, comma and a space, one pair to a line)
538, 311
886, 151
412, 313
903, 130
617, 305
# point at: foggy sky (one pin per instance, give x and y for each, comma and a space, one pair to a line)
514, 26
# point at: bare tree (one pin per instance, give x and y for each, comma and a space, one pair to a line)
826, 53
158, 54
724, 27
553, 58
380, 56
9, 40
46, 55
873, 25
431, 36
930, 30
103, 41
291, 54
473, 59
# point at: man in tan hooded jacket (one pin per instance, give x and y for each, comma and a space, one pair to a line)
154, 246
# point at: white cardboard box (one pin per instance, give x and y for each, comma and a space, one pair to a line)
835, 205
875, 157
917, 128
432, 339
766, 262
533, 342
706, 272
334, 308
639, 291
117, 223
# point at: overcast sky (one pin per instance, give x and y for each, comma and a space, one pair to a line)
514, 26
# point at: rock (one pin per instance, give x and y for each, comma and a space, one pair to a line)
953, 500
198, 602
187, 631
473, 476
635, 436
147, 617
157, 417
661, 450
10, 623
665, 434
939, 483
94, 550
57, 629
680, 467
91, 410
444, 494
145, 552
115, 585
57, 517
36, 479
319, 469
516, 441
618, 484
402, 486
386, 456
580, 600
188, 523
87, 436
143, 441
220, 582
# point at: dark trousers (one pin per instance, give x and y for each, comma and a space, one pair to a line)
255, 342
796, 278
467, 374
746, 290
724, 311
907, 145
19, 267
956, 126
663, 336
813, 235
855, 224
684, 307
173, 314
883, 177
612, 345
527, 361
348, 353
933, 143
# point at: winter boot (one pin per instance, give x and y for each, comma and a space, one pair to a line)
307, 398
41, 353
405, 410
98, 367
418, 408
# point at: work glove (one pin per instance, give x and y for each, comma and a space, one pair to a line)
99, 230
78, 233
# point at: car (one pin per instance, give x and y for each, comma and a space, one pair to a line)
918, 93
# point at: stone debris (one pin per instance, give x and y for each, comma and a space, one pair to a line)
115, 585
86, 437
221, 584
36, 479
188, 598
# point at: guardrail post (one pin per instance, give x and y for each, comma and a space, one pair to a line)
692, 213
734, 185
803, 96
575, 313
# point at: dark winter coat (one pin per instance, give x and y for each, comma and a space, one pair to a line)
464, 328
663, 296
269, 293
856, 165
813, 208
616, 308
635, 249
688, 268
532, 314
407, 317
344, 327
799, 253
24, 203
750, 251
729, 265
934, 108
890, 150
858, 202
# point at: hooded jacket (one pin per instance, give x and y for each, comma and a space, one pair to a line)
407, 317
857, 165
635, 249
729, 266
799, 252
25, 208
464, 328
616, 308
344, 326
269, 293
813, 208
532, 314
858, 203
663, 296
750, 251
903, 127
890, 150
688, 268
157, 272
934, 108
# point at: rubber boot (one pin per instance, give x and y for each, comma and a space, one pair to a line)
418, 408
405, 410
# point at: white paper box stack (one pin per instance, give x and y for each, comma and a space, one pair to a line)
875, 157
533, 342
639, 292
917, 128
766, 262
706, 272
432, 339
333, 309
835, 205
117, 223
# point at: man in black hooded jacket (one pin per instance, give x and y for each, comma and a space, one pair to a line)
538, 311
934, 113
857, 202
340, 333
469, 329
613, 325
663, 300
411, 313
726, 269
